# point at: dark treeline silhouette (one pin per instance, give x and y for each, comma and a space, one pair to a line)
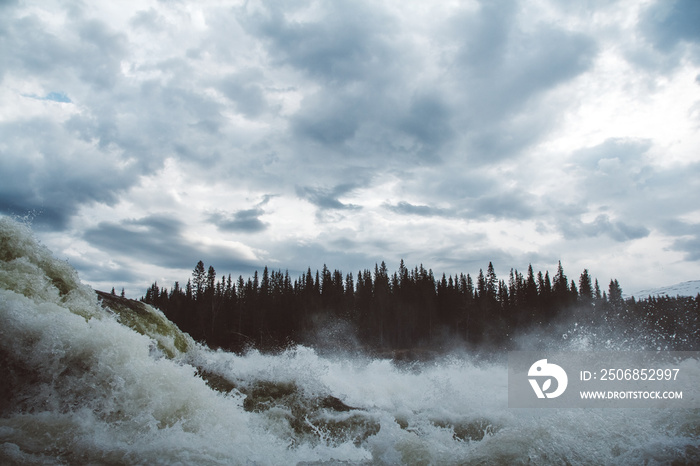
406, 309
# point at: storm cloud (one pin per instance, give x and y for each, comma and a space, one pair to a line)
444, 134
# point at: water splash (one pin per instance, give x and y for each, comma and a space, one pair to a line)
97, 379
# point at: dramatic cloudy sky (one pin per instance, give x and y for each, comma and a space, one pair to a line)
142, 136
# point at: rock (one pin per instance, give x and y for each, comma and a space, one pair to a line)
331, 402
148, 321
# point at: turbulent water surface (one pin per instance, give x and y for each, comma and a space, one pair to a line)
93, 378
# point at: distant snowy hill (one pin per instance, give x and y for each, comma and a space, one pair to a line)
691, 288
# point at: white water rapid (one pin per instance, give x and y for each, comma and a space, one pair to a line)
110, 381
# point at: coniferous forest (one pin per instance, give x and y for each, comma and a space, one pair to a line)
412, 308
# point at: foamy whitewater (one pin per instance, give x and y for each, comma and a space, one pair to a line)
90, 381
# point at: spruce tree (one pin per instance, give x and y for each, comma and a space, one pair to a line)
615, 295
560, 287
491, 282
481, 286
585, 288
530, 290
199, 279
211, 280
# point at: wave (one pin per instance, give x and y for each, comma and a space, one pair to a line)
90, 378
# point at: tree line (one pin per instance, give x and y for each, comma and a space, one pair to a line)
408, 308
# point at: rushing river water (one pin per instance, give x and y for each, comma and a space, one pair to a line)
90, 380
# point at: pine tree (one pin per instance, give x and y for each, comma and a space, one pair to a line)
230, 292
503, 294
546, 300
491, 282
469, 289
585, 288
512, 291
198, 280
481, 285
615, 295
574, 291
265, 283
560, 288
188, 290
211, 281
391, 310
530, 290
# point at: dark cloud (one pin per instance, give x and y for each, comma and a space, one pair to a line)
367, 93
326, 199
52, 218
677, 227
667, 23
689, 245
484, 34
670, 36
244, 221
687, 236
510, 204
245, 91
546, 59
100, 54
323, 100
406, 208
177, 109
47, 175
502, 70
89, 50
475, 195
152, 122
368, 122
349, 54
428, 120
108, 139
328, 118
504, 67
602, 225
461, 183
346, 42
117, 273
158, 240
